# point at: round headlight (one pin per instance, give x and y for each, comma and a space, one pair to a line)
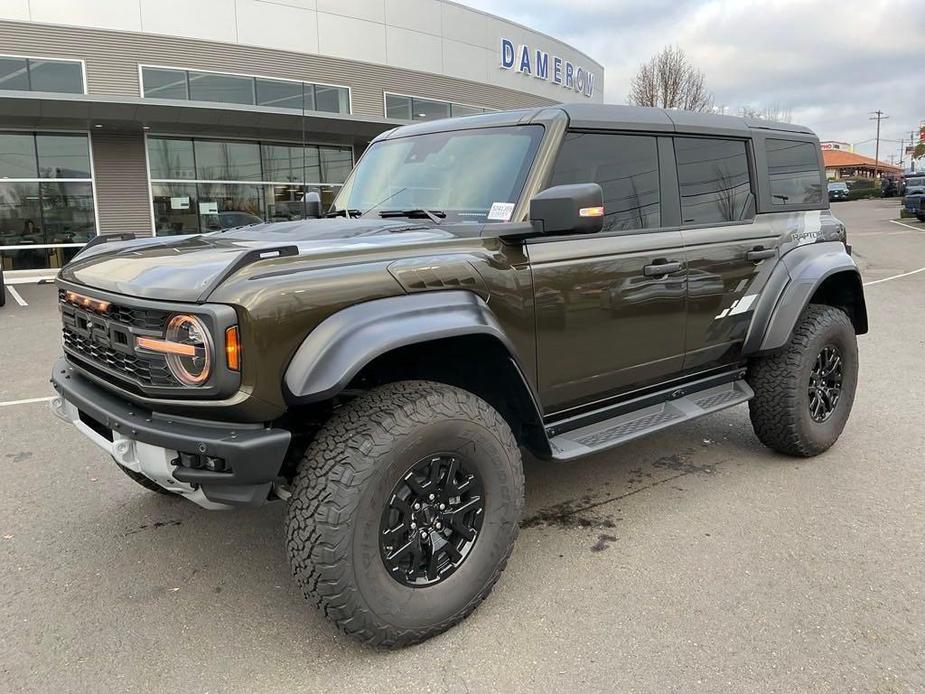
193, 365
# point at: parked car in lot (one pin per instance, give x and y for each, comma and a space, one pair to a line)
837, 191
2, 287
915, 205
561, 280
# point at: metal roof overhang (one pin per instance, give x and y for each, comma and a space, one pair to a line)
38, 110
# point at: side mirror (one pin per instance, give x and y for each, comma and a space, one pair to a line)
312, 205
571, 209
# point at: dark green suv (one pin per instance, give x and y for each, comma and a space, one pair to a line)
560, 280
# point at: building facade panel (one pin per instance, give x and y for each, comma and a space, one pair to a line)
121, 183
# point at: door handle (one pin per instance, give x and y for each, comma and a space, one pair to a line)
756, 255
661, 267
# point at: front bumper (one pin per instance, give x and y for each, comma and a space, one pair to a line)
150, 443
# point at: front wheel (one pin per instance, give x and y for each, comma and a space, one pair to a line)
404, 511
804, 392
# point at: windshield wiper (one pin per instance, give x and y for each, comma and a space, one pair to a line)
433, 215
349, 214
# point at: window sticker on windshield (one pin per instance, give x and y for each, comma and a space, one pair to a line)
501, 211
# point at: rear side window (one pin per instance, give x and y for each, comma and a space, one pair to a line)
793, 170
626, 168
714, 180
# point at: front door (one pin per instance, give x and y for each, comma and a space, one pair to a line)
610, 307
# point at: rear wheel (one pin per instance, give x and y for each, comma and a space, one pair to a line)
804, 392
404, 511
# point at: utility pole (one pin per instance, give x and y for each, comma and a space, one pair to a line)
878, 116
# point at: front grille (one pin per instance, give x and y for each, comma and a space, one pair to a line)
148, 371
105, 343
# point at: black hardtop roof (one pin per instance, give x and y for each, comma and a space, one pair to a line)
611, 117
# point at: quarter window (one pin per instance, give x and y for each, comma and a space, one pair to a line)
793, 170
626, 168
714, 180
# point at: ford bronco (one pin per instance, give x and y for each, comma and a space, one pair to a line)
557, 281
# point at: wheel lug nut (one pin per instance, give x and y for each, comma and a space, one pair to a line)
417, 507
414, 526
431, 497
438, 525
442, 507
424, 534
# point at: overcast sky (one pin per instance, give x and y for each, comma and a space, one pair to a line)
830, 62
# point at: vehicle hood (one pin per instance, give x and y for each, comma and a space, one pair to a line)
189, 268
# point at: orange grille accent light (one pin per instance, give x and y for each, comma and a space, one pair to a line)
166, 347
80, 300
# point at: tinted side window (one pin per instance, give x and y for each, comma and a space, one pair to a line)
714, 180
625, 166
793, 169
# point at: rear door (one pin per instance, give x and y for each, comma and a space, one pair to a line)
607, 317
729, 253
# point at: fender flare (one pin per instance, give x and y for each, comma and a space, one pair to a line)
342, 344
790, 289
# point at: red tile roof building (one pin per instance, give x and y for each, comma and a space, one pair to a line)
842, 164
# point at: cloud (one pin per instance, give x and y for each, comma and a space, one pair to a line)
831, 63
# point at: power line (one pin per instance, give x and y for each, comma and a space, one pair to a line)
878, 116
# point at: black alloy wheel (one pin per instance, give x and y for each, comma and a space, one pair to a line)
825, 383
431, 520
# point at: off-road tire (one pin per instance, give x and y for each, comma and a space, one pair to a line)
780, 411
146, 483
338, 496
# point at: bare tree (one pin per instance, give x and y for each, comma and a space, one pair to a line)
669, 80
772, 112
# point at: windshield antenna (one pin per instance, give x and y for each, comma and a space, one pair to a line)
382, 202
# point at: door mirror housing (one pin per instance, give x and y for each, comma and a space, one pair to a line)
568, 209
313, 205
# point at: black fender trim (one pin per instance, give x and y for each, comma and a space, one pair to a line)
791, 287
342, 344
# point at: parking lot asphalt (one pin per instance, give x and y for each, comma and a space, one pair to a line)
691, 560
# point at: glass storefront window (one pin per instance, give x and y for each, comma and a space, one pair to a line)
283, 94
223, 206
44, 212
17, 155
56, 76
175, 208
207, 204
226, 89
336, 163
63, 156
14, 74
331, 99
218, 160
165, 84
67, 212
398, 107
463, 110
171, 158
41, 75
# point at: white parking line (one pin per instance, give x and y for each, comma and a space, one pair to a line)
16, 295
908, 226
895, 277
26, 402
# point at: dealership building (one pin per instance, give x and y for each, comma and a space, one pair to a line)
163, 117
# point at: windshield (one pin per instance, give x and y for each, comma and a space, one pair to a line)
838, 186
917, 182
468, 175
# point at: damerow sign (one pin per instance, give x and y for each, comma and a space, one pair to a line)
539, 64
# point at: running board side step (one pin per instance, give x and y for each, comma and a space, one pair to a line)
625, 427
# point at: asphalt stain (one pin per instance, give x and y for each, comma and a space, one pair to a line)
154, 526
573, 513
19, 457
603, 542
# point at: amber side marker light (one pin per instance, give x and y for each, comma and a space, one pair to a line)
233, 348
591, 212
80, 300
